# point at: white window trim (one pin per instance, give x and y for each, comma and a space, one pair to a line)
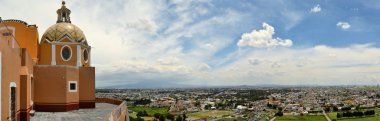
85, 50
79, 55
89, 56
71, 53
76, 86
12, 84
53, 61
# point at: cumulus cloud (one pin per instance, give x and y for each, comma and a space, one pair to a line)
316, 9
204, 67
343, 25
168, 61
145, 25
254, 61
263, 38
322, 64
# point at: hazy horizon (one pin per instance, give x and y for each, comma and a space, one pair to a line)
168, 43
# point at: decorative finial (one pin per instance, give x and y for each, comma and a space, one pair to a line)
63, 2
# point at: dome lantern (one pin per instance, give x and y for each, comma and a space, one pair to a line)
64, 29
63, 14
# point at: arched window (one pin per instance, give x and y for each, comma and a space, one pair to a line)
85, 55
12, 102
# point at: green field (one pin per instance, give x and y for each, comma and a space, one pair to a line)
149, 110
300, 118
332, 115
263, 119
377, 111
372, 118
213, 113
133, 115
232, 119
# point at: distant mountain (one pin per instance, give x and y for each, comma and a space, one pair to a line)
145, 85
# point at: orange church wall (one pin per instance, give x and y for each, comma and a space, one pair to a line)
73, 59
45, 54
25, 105
11, 64
87, 87
48, 84
72, 75
50, 94
26, 36
26, 73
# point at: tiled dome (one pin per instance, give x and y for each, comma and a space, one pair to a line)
60, 30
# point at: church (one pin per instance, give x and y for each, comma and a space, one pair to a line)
48, 74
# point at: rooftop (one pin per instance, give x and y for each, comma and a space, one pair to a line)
96, 114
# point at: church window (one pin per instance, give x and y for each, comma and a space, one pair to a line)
66, 53
7, 34
72, 86
85, 55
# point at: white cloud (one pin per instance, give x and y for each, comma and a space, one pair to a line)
343, 25
204, 67
168, 61
316, 9
141, 42
322, 65
263, 38
145, 25
254, 61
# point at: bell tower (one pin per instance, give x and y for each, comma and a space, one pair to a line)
63, 14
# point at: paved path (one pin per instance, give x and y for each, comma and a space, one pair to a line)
272, 119
327, 117
96, 114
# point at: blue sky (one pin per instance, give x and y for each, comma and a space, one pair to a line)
169, 43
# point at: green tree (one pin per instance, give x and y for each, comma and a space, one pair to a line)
145, 113
197, 104
184, 116
338, 115
357, 107
162, 118
279, 113
157, 115
131, 118
139, 118
140, 113
170, 116
208, 106
179, 118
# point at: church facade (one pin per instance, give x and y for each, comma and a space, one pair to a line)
51, 74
